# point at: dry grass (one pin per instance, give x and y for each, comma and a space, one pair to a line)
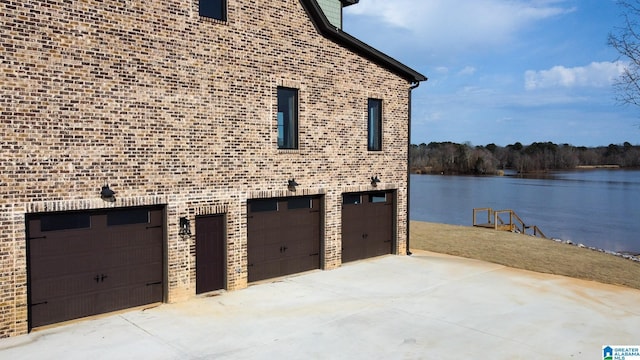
524, 252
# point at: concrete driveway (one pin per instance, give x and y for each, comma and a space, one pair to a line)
427, 306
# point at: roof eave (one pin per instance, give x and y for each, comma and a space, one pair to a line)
323, 26
349, 2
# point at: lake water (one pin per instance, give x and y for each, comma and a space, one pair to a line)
599, 208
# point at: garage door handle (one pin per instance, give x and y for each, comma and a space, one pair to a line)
364, 236
103, 277
154, 283
387, 241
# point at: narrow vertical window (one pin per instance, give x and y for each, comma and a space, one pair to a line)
215, 9
287, 118
374, 126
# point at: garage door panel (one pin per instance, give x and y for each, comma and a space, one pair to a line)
380, 232
63, 309
299, 249
300, 218
63, 286
59, 244
269, 252
353, 223
296, 237
352, 253
130, 256
296, 264
283, 237
121, 239
308, 222
378, 248
126, 297
266, 223
138, 275
56, 266
264, 270
262, 232
367, 225
79, 272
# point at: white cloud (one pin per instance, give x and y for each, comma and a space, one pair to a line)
468, 70
596, 74
433, 117
461, 23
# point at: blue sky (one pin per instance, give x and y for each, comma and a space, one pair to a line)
502, 71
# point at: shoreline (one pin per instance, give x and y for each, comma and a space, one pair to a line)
629, 255
428, 170
581, 167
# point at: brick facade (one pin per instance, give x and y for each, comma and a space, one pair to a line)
171, 108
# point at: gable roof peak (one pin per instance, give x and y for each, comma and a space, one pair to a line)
327, 30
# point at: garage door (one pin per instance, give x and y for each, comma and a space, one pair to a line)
88, 263
283, 236
367, 225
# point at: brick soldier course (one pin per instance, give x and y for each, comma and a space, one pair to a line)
175, 109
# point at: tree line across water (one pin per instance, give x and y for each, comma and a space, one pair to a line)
451, 158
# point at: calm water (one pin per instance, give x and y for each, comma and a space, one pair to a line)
599, 208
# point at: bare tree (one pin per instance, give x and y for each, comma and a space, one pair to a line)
626, 40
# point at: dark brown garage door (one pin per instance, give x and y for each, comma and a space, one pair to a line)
88, 263
283, 236
367, 225
210, 250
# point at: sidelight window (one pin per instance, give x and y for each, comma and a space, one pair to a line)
374, 125
287, 118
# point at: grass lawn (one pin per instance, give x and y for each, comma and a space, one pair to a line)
524, 252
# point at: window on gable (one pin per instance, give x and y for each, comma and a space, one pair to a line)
287, 118
215, 9
374, 125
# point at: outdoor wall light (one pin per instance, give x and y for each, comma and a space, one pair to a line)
185, 227
107, 194
291, 184
374, 180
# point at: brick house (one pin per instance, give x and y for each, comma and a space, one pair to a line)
155, 150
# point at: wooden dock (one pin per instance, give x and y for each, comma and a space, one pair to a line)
505, 220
